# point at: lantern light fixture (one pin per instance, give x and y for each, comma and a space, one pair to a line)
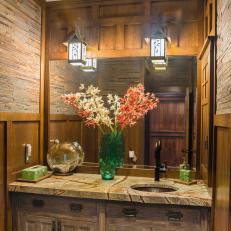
158, 50
77, 51
90, 66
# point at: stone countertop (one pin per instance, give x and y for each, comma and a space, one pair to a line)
91, 186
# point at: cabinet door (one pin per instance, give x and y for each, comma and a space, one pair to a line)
36, 223
126, 227
70, 225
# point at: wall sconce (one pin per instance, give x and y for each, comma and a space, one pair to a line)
77, 51
158, 52
90, 66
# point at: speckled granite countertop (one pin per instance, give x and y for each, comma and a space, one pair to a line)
91, 186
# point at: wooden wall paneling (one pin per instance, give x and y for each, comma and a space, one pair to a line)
120, 10
90, 144
133, 36
107, 37
23, 132
222, 169
115, 22
134, 140
2, 175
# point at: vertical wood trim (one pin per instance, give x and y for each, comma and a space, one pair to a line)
101, 217
46, 90
198, 114
9, 150
42, 81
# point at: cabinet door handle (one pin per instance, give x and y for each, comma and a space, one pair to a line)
76, 207
130, 212
38, 203
54, 226
174, 216
59, 226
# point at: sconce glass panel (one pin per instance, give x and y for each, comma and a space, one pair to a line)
158, 49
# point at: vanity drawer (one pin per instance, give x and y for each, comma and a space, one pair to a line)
163, 218
59, 205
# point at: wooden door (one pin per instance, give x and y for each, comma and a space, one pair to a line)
168, 124
206, 140
70, 225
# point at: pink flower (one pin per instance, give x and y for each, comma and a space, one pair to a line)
134, 105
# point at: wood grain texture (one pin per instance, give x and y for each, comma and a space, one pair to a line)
2, 175
20, 56
223, 57
168, 124
222, 182
118, 28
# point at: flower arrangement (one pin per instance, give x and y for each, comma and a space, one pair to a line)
120, 113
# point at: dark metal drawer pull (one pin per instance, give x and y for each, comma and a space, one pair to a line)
174, 216
130, 212
38, 203
76, 207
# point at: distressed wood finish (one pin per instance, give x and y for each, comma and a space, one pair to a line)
104, 216
223, 57
119, 29
20, 56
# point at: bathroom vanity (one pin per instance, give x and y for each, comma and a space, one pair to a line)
83, 202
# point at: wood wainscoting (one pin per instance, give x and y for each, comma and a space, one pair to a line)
16, 129
222, 174
71, 128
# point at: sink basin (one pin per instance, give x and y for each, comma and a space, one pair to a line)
154, 188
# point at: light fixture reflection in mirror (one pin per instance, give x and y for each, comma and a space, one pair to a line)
90, 66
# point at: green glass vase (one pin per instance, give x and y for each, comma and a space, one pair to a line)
111, 154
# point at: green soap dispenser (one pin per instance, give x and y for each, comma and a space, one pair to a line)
185, 172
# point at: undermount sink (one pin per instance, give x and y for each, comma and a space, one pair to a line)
154, 188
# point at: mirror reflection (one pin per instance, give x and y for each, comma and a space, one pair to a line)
173, 122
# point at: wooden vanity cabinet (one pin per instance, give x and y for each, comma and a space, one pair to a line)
138, 217
50, 213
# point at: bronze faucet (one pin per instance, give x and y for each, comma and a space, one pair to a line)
159, 167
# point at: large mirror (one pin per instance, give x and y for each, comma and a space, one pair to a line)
173, 122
